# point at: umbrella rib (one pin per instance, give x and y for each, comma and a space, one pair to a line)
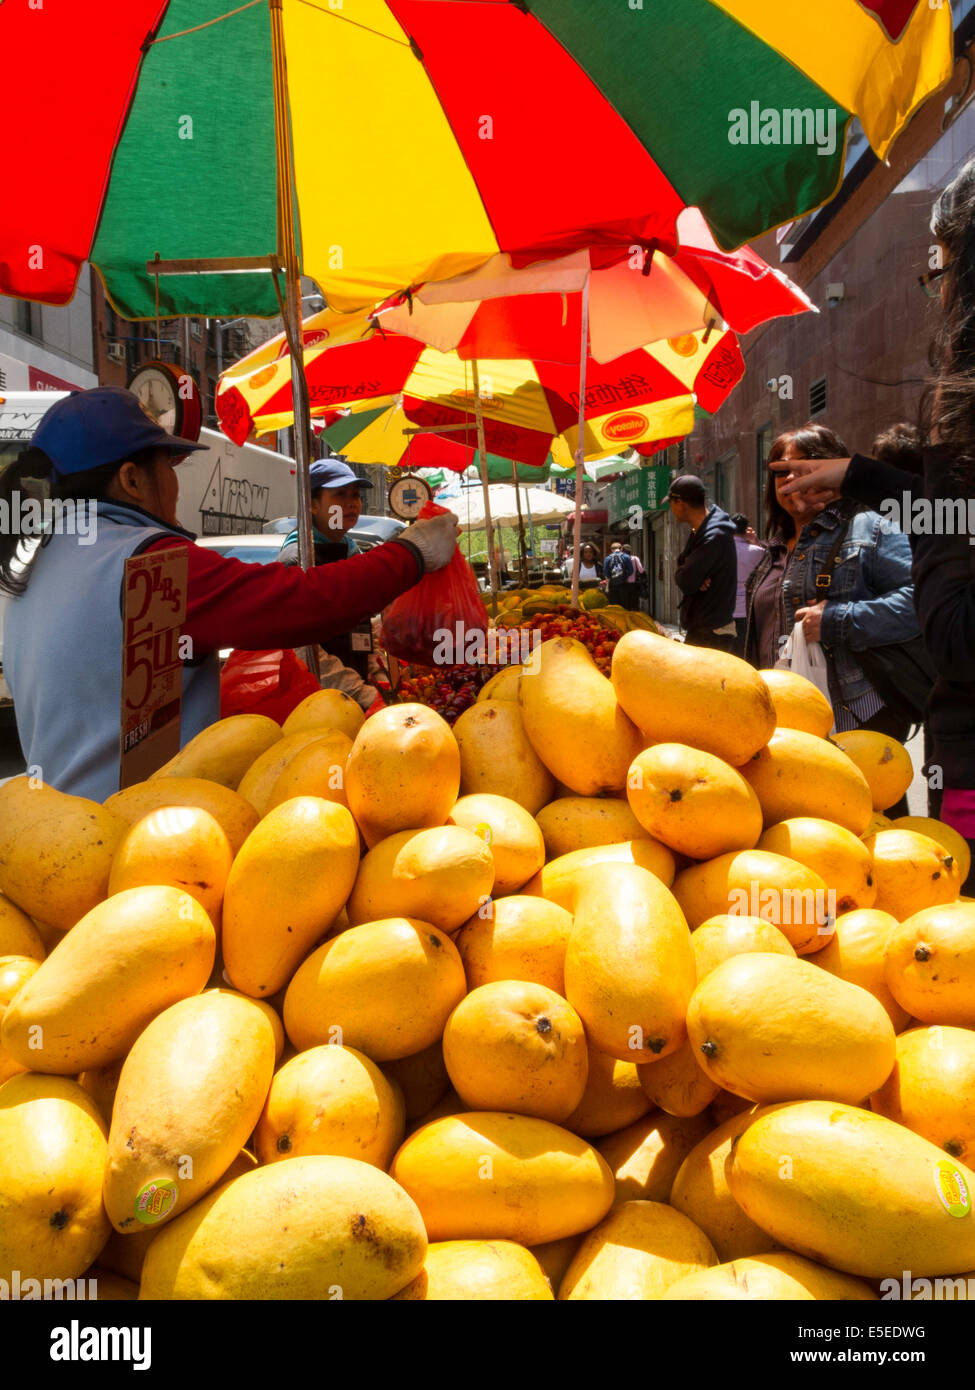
333, 14
208, 23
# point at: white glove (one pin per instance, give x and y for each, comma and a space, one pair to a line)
435, 538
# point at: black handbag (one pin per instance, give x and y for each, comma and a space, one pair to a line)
902, 673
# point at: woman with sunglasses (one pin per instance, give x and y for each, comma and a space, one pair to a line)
943, 564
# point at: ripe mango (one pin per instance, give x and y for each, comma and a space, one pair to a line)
55, 851
18, 935
692, 801
478, 1270
262, 777
855, 1191
840, 858
613, 1097
636, 1253
757, 883
286, 887
317, 769
945, 835
645, 1156
516, 938
573, 720
776, 1278
857, 951
496, 755
931, 1089
885, 763
385, 988
236, 816
929, 964
719, 938
769, 1027
180, 845
440, 875
224, 751
326, 709
313, 1228
14, 972
514, 1177
403, 772
708, 699
700, 1190
52, 1155
582, 822
799, 704
912, 872
121, 965
511, 834
558, 881
678, 1084
629, 965
798, 774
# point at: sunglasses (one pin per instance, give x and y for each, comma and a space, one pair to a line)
929, 281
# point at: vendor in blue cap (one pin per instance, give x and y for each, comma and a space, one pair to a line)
98, 451
336, 505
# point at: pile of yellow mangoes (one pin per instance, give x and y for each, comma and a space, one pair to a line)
618, 989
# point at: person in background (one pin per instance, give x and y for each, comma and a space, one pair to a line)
635, 583
590, 568
901, 445
62, 652
943, 561
617, 571
707, 567
749, 552
869, 600
336, 505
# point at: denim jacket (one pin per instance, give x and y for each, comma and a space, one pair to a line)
870, 601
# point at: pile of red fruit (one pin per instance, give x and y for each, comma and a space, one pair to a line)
596, 636
447, 689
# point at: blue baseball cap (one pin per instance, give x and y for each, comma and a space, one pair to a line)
104, 425
334, 472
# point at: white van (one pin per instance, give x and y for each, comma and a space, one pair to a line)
224, 490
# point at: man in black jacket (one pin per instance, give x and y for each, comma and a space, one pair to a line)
707, 567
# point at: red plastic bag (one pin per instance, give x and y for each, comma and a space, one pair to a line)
271, 683
432, 623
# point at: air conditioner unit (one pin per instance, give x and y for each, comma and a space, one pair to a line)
116, 352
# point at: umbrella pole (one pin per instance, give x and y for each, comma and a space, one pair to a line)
291, 304
580, 447
522, 557
488, 527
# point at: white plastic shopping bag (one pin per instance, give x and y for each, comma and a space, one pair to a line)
806, 659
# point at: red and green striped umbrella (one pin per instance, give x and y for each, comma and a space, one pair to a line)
428, 135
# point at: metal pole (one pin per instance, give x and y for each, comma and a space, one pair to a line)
522, 557
580, 447
488, 527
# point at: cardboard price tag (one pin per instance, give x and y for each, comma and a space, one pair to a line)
153, 614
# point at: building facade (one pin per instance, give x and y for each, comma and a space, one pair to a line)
47, 349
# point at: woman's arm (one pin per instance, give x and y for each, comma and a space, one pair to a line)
945, 587
888, 617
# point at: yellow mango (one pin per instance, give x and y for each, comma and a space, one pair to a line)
422, 1078
645, 1156
857, 951
945, 835
757, 883
318, 769
554, 1256
678, 1084
514, 839
720, 938
636, 1254
385, 988
120, 966
517, 1047
101, 1083
912, 872
503, 685
440, 875
269, 1012
224, 751
840, 858
582, 822
573, 720
191, 1089
769, 1028
261, 778
236, 816
497, 757
403, 772
931, 1089
14, 972
863, 1195
326, 709
478, 1270
929, 965
613, 1097
558, 880
707, 699
109, 1287
885, 763
313, 1228
513, 1177
773, 1278
692, 801
330, 1100
799, 704
52, 1155
182, 846
629, 966
18, 935
798, 774
700, 1190
286, 887
55, 851
515, 938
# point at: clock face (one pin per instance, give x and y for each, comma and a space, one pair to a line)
169, 397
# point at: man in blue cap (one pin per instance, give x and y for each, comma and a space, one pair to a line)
336, 505
63, 628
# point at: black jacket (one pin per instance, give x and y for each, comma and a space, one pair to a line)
710, 553
943, 570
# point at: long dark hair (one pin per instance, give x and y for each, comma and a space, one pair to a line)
816, 442
30, 476
948, 402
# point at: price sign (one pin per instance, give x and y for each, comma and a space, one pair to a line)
153, 614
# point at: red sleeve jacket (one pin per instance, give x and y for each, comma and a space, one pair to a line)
260, 607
